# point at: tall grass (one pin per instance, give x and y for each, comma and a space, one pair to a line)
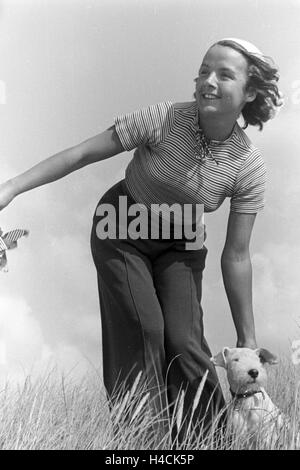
55, 412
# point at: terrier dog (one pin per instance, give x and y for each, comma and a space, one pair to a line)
252, 413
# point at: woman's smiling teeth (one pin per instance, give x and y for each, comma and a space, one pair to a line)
209, 96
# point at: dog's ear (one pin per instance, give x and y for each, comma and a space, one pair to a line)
220, 358
266, 356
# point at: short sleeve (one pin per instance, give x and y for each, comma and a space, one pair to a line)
147, 126
249, 191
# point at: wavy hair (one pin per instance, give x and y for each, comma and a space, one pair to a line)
263, 76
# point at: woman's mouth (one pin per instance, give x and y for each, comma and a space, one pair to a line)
210, 96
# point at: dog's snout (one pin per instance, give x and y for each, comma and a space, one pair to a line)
253, 373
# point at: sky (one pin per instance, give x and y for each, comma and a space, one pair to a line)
67, 68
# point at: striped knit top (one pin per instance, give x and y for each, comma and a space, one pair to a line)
165, 168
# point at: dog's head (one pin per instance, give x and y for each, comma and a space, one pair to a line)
245, 367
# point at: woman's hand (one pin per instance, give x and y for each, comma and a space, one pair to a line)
7, 193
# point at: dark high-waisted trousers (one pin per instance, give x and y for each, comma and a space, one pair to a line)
152, 320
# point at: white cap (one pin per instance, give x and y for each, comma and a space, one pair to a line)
246, 45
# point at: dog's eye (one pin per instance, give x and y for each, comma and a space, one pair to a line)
236, 359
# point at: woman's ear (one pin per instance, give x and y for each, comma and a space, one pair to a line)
251, 95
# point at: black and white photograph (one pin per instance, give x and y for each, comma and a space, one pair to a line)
149, 230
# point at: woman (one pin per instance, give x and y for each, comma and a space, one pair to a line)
186, 153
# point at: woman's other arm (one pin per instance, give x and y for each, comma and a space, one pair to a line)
94, 149
237, 276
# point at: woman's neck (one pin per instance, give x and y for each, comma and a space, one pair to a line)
216, 128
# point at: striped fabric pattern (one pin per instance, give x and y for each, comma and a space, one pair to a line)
9, 240
3, 246
165, 168
10, 237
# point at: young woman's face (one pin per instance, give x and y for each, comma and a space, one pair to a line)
221, 84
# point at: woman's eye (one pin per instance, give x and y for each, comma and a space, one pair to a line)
225, 76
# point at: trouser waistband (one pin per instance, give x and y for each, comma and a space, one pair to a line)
164, 224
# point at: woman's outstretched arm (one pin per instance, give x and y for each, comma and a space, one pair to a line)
99, 147
237, 276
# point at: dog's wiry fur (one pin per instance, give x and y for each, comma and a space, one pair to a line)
252, 414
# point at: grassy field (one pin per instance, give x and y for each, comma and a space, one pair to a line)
55, 412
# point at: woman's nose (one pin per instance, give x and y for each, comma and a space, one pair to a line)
211, 79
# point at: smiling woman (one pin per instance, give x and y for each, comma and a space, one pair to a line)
221, 89
262, 96
232, 80
150, 289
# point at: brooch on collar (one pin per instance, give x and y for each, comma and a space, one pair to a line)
202, 150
